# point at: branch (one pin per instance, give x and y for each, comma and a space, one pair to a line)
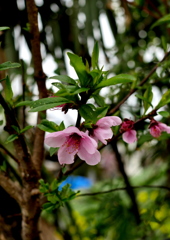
122, 189
113, 110
11, 187
40, 77
127, 182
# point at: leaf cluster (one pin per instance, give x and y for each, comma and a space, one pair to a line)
55, 196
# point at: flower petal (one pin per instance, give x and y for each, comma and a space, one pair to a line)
55, 139
129, 136
65, 157
91, 159
103, 134
71, 130
164, 127
155, 131
108, 121
88, 143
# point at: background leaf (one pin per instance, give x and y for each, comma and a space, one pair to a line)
95, 56
8, 65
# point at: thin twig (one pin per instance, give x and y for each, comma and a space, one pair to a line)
122, 189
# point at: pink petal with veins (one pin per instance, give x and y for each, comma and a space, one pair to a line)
129, 136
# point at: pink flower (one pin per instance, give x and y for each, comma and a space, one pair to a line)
72, 141
129, 134
156, 128
102, 131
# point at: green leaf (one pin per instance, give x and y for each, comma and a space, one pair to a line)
145, 100
86, 111
54, 184
164, 113
164, 100
26, 128
148, 96
99, 100
164, 19
23, 103
4, 28
47, 103
80, 90
95, 56
1, 122
49, 206
53, 198
64, 169
101, 112
11, 138
8, 65
48, 126
64, 78
66, 192
52, 151
44, 187
144, 138
121, 78
77, 63
61, 126
8, 90
16, 129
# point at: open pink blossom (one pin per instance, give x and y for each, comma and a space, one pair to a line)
156, 128
102, 129
129, 133
72, 141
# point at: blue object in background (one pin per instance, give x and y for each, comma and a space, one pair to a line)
76, 182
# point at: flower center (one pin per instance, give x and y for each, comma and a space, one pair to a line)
73, 143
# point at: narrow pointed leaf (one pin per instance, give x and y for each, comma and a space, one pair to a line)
26, 128
95, 55
23, 103
164, 113
8, 90
77, 63
87, 112
8, 65
11, 138
48, 126
163, 20
4, 28
121, 78
145, 100
47, 103
164, 100
148, 96
64, 78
